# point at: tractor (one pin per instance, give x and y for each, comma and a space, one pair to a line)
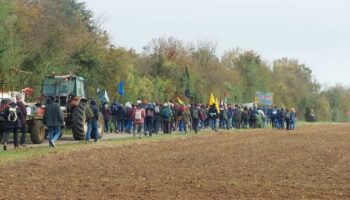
70, 92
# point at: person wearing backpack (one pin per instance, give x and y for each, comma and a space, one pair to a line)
287, 119
121, 118
166, 114
157, 122
180, 118
53, 118
245, 117
186, 117
114, 123
94, 122
195, 113
237, 115
89, 115
12, 115
23, 117
106, 112
129, 109
224, 116
150, 114
213, 114
138, 117
203, 116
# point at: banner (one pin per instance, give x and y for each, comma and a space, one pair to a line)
264, 98
121, 88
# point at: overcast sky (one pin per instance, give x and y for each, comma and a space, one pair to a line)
316, 32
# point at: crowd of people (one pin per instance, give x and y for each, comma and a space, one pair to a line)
152, 118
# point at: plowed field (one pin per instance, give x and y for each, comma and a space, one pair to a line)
312, 162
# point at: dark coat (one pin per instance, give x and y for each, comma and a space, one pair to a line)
23, 110
237, 114
213, 112
14, 124
94, 110
106, 113
53, 115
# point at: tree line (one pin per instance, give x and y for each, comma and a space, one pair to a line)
61, 36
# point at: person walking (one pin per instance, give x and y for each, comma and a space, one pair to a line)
114, 123
89, 115
186, 118
166, 114
213, 114
292, 119
94, 122
237, 117
150, 114
195, 118
121, 118
106, 112
53, 119
138, 117
23, 117
12, 116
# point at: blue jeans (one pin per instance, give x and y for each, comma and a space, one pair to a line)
128, 126
213, 123
120, 125
92, 129
225, 124
181, 125
54, 133
292, 125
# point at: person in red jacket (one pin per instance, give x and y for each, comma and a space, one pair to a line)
138, 117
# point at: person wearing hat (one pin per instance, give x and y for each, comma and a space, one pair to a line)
53, 118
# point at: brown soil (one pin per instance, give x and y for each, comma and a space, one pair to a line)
312, 163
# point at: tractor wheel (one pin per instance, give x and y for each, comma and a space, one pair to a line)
37, 132
79, 126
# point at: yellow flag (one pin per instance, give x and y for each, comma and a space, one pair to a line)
217, 105
180, 101
211, 100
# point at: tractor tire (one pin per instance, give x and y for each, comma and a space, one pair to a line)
37, 132
79, 121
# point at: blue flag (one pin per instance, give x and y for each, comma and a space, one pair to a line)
121, 88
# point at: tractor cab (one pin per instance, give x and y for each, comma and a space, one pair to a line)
67, 90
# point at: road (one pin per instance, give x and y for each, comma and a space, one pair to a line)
65, 139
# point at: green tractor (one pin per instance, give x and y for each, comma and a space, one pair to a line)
71, 94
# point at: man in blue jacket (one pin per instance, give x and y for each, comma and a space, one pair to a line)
93, 123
